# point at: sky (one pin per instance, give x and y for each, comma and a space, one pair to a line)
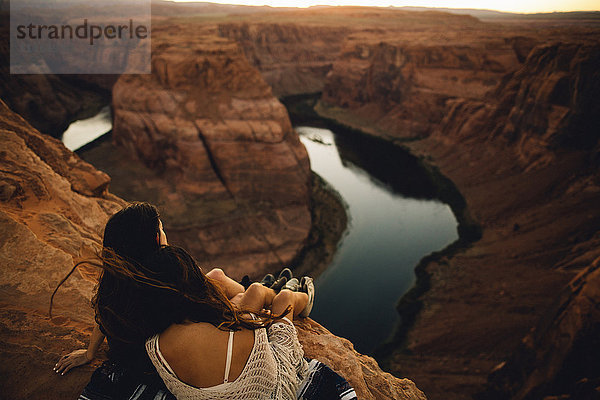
519, 6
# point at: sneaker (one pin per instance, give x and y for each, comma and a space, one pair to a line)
245, 282
307, 286
287, 273
268, 280
292, 285
279, 283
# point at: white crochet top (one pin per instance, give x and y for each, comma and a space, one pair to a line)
274, 369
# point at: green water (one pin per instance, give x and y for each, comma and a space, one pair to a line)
394, 221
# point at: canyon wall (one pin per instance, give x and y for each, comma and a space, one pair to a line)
561, 355
506, 111
292, 58
231, 178
53, 208
519, 137
50, 102
401, 87
296, 50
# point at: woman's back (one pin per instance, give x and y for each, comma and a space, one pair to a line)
197, 352
265, 364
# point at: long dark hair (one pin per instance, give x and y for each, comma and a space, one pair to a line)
130, 237
170, 288
131, 233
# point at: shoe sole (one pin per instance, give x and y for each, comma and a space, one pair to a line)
292, 285
308, 287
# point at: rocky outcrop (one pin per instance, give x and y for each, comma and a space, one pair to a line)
231, 177
363, 373
53, 208
524, 155
399, 87
561, 355
50, 102
292, 58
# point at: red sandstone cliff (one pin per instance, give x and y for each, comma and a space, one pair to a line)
400, 85
53, 208
524, 155
292, 58
296, 50
231, 177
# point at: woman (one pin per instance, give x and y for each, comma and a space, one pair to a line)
133, 233
122, 303
204, 346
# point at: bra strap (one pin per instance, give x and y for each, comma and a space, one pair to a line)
161, 358
229, 354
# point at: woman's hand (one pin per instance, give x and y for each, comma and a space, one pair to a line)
80, 357
72, 360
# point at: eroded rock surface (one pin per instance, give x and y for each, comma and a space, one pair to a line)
53, 208
292, 58
561, 355
522, 149
363, 373
401, 85
232, 178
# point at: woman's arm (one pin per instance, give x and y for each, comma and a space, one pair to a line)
228, 285
255, 299
82, 356
258, 297
286, 298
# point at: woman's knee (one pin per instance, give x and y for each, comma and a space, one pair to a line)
216, 274
255, 289
284, 298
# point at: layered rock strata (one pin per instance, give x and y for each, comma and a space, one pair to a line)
524, 155
53, 208
292, 58
296, 50
231, 177
400, 86
50, 102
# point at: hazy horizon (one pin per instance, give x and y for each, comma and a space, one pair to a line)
512, 6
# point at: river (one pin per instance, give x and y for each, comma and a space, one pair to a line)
393, 223
82, 132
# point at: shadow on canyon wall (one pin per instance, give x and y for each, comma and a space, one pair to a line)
504, 108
